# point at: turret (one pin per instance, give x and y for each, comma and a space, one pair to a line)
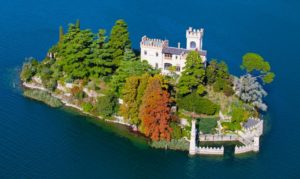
194, 39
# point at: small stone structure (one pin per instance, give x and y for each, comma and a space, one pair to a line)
249, 136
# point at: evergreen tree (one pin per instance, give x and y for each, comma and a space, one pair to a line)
77, 25
119, 41
192, 78
129, 55
101, 62
75, 52
61, 33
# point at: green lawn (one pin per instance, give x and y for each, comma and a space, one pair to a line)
207, 125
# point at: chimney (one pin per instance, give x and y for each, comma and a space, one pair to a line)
178, 44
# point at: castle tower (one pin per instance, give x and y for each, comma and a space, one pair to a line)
194, 39
192, 149
256, 143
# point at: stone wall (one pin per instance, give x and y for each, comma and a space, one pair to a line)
210, 150
243, 149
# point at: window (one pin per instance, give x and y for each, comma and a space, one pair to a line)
178, 68
145, 52
193, 44
176, 56
156, 65
156, 54
168, 56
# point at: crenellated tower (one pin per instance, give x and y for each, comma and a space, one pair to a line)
194, 39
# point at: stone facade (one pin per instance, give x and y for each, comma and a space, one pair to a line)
160, 56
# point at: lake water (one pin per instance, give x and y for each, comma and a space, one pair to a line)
37, 141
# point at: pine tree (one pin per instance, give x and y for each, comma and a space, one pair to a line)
155, 111
119, 41
192, 77
129, 55
101, 62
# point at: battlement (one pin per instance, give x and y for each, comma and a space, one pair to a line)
198, 33
154, 42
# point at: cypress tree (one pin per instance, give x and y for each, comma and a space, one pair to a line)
61, 33
119, 41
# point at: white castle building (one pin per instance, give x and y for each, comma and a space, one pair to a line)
158, 53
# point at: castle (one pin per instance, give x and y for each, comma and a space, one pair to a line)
159, 55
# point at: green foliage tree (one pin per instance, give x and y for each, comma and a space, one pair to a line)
61, 33
119, 41
192, 78
127, 69
101, 61
130, 109
107, 105
29, 69
74, 53
253, 62
129, 55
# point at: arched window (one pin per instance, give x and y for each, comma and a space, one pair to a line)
167, 66
145, 52
193, 44
157, 54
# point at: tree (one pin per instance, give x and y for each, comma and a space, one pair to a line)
101, 61
107, 105
130, 109
77, 25
75, 53
155, 111
29, 69
119, 41
129, 55
192, 78
253, 62
250, 91
127, 69
211, 71
61, 33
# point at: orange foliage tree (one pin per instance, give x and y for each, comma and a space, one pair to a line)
155, 111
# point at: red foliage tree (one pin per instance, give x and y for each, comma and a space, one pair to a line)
155, 111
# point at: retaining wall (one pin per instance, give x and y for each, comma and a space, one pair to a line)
210, 150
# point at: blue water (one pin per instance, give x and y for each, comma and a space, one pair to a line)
37, 141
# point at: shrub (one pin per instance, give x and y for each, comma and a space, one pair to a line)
87, 107
50, 84
176, 131
77, 92
107, 105
195, 103
228, 91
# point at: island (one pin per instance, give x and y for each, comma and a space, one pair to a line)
173, 96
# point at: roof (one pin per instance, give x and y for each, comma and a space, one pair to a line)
179, 51
250, 122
